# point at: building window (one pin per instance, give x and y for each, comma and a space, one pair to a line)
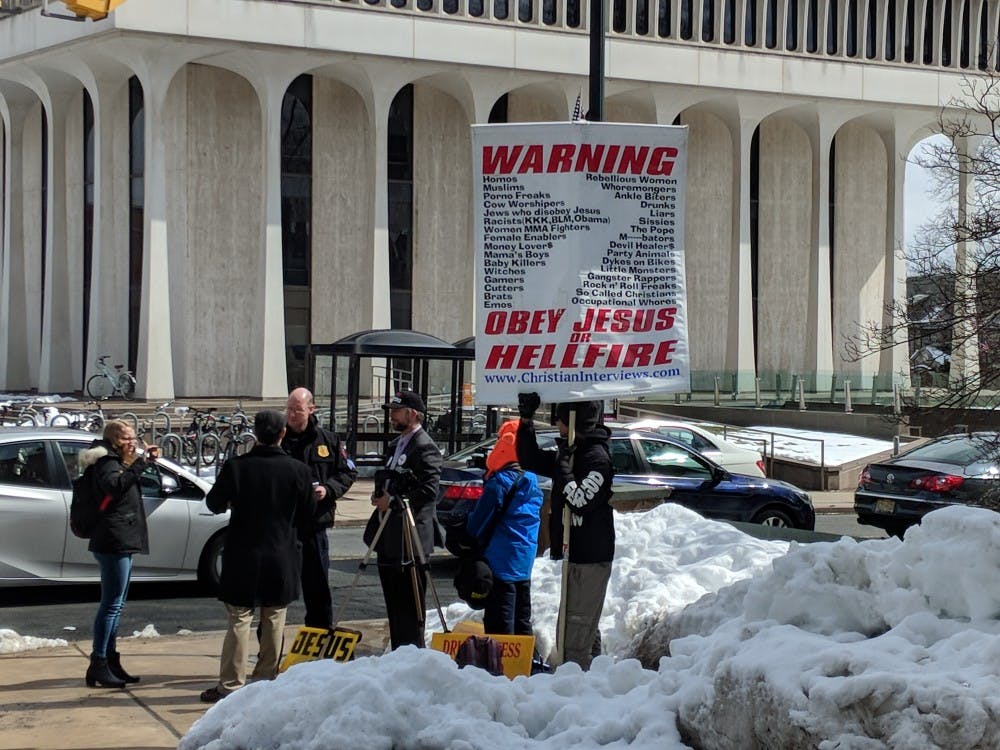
663, 18
573, 14
792, 25
771, 25
498, 114
618, 16
400, 193
890, 30
871, 30
812, 27
750, 24
729, 22
136, 202
908, 33
946, 35
88, 214
686, 21
928, 51
296, 223
852, 28
964, 51
982, 60
708, 21
831, 28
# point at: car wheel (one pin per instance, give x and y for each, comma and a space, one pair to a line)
210, 566
896, 530
773, 517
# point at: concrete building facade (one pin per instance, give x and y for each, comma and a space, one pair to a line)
200, 188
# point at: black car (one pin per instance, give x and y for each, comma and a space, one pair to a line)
955, 469
649, 460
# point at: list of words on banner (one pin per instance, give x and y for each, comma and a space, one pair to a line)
580, 263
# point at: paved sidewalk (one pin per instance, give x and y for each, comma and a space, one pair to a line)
47, 706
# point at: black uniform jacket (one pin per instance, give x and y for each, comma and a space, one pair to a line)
270, 495
324, 454
421, 462
585, 487
122, 526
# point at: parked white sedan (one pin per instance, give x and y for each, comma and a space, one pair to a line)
734, 458
37, 466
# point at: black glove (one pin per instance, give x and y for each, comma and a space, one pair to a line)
527, 405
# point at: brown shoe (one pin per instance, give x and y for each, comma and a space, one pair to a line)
212, 695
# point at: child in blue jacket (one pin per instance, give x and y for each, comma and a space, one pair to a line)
511, 549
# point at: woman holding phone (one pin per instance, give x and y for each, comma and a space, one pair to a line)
120, 533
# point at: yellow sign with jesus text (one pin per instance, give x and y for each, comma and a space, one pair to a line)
311, 644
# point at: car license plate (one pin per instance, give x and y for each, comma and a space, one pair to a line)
885, 506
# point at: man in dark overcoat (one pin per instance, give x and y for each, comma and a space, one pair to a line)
270, 497
413, 461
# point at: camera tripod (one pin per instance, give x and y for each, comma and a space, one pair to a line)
416, 558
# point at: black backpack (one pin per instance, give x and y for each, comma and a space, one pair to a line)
481, 651
86, 507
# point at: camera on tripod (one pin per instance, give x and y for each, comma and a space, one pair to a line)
396, 483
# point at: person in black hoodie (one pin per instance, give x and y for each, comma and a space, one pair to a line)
120, 533
581, 476
333, 474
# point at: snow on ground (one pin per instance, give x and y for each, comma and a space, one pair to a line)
11, 642
837, 646
828, 448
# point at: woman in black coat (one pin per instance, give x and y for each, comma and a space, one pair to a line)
120, 533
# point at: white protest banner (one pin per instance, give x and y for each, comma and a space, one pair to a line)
579, 232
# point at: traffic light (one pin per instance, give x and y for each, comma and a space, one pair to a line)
95, 9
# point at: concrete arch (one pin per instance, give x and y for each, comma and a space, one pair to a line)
538, 102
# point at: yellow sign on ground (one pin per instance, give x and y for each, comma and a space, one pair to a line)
321, 643
517, 649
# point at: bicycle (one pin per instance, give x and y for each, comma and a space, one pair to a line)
108, 382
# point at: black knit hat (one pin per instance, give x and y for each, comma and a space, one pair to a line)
587, 414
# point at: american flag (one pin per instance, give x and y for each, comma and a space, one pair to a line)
578, 108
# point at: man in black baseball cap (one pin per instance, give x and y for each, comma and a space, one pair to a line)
406, 400
413, 463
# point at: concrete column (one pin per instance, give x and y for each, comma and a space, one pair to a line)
61, 352
894, 361
819, 338
740, 341
270, 314
108, 327
964, 371
380, 209
154, 363
17, 348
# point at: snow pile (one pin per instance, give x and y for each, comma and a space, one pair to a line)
11, 642
880, 644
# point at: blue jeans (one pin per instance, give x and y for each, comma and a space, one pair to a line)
508, 608
116, 570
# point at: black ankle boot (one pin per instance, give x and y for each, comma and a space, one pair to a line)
115, 665
99, 674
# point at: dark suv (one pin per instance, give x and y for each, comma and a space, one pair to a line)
650, 460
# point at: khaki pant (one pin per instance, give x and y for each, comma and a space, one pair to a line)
233, 664
586, 587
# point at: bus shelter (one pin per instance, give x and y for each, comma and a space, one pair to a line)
408, 356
